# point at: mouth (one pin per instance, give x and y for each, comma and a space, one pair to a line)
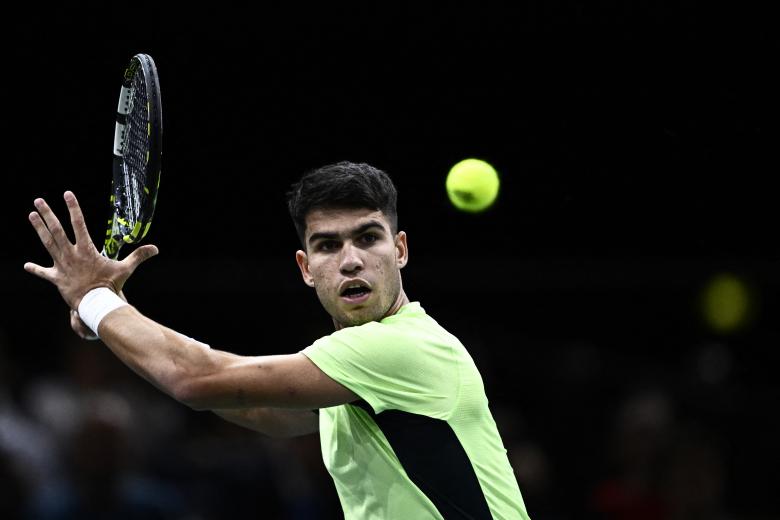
355, 292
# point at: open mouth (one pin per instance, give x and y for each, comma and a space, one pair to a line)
355, 292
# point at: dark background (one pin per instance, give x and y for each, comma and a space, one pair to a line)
636, 150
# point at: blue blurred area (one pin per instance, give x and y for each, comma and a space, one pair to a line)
635, 145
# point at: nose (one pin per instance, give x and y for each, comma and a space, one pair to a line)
351, 261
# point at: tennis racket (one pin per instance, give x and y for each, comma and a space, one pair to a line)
137, 156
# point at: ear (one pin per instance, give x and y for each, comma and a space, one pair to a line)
401, 249
303, 264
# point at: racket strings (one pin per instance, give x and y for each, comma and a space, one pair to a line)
136, 148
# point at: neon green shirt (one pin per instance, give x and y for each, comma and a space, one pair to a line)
421, 443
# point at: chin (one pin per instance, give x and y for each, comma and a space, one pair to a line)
352, 320
358, 317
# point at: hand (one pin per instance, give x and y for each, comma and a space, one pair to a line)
78, 267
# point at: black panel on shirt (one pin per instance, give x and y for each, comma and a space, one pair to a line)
435, 461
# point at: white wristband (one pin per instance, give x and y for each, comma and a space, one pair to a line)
96, 304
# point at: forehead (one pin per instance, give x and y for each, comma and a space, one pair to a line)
342, 220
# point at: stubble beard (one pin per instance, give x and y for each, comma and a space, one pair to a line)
374, 311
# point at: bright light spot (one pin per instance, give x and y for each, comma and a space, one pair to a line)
726, 303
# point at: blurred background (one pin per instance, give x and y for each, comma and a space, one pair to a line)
619, 297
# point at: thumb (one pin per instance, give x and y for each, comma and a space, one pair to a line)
140, 255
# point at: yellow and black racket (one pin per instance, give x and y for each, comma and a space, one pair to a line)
137, 156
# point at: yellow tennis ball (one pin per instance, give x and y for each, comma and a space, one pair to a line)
472, 185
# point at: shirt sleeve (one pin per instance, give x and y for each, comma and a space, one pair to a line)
391, 369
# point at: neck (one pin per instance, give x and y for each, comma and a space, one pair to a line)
399, 302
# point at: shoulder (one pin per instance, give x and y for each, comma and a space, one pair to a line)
407, 337
405, 362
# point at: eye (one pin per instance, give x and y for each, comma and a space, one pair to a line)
327, 245
369, 238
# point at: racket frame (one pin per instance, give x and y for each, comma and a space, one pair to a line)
119, 231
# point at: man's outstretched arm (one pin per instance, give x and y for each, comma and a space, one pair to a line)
188, 370
273, 422
208, 379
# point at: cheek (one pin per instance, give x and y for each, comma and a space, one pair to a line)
322, 276
386, 270
387, 262
316, 273
382, 269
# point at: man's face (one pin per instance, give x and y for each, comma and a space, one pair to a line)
353, 261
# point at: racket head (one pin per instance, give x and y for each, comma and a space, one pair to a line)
137, 156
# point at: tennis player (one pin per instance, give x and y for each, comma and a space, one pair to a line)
405, 427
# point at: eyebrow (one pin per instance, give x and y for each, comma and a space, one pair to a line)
330, 235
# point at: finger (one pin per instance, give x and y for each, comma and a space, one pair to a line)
80, 328
43, 233
140, 255
75, 324
53, 223
47, 273
80, 230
